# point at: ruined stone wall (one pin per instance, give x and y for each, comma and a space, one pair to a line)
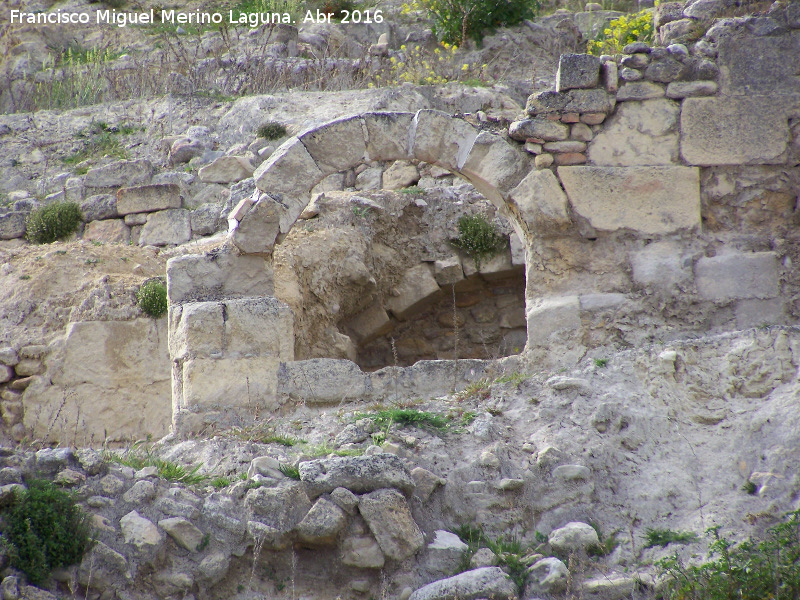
669, 177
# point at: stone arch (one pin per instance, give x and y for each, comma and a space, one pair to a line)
496, 167
231, 340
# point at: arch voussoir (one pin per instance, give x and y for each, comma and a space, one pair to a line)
440, 139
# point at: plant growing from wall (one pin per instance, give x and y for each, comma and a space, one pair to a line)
53, 222
621, 32
479, 239
752, 570
152, 298
44, 529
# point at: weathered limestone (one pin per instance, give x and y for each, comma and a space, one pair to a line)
661, 266
541, 202
104, 364
388, 135
166, 227
288, 175
577, 71
226, 169
486, 582
233, 359
546, 576
218, 275
547, 316
493, 165
321, 381
110, 230
183, 532
417, 288
119, 174
356, 473
276, 512
12, 225
649, 200
148, 198
373, 322
573, 537
707, 137
440, 139
139, 531
363, 552
254, 227
401, 174
738, 275
324, 144
322, 523
389, 518
639, 133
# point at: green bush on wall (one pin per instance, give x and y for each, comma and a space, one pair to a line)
53, 222
152, 298
44, 529
478, 238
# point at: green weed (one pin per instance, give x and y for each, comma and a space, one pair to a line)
406, 417
664, 537
152, 298
290, 471
479, 239
508, 549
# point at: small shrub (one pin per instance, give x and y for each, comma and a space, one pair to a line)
152, 298
750, 487
53, 222
753, 570
600, 362
621, 32
457, 20
664, 537
606, 545
271, 130
478, 238
44, 529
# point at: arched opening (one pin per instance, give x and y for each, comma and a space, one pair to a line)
388, 288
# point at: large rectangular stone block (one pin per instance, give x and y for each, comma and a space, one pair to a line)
577, 71
148, 198
649, 200
196, 329
388, 135
218, 275
727, 130
639, 133
110, 379
738, 275
248, 383
547, 316
321, 381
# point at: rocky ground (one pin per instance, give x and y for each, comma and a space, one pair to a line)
681, 437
